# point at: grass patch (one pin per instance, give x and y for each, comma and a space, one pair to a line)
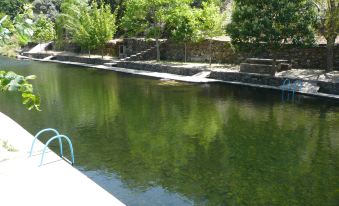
7, 146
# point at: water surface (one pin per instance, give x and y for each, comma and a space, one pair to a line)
149, 142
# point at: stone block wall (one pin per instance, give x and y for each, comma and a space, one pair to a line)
158, 68
36, 55
329, 87
222, 52
257, 68
250, 78
109, 49
136, 45
85, 60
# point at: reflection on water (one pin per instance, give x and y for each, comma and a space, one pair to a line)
151, 143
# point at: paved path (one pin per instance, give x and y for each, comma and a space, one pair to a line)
310, 75
201, 78
23, 182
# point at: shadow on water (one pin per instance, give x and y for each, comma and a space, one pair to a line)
188, 144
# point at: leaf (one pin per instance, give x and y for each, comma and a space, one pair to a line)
9, 81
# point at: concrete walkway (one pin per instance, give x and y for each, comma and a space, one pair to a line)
23, 182
201, 78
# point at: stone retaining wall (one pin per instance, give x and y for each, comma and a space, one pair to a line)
136, 45
329, 87
261, 79
81, 59
257, 68
36, 55
247, 78
85, 60
158, 68
222, 52
110, 49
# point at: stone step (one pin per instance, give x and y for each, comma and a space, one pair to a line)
110, 64
203, 74
257, 68
49, 57
264, 61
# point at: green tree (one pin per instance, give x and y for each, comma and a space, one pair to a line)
328, 13
183, 25
12, 7
88, 26
149, 17
211, 23
4, 31
44, 30
270, 24
50, 8
104, 26
9, 81
23, 24
15, 32
68, 20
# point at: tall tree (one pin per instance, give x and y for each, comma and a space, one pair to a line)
105, 26
149, 17
23, 24
43, 30
50, 8
270, 24
117, 6
183, 25
328, 11
68, 20
88, 26
211, 23
12, 7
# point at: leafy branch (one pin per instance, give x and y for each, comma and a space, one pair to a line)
9, 81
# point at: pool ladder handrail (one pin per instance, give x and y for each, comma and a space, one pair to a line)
291, 87
57, 136
43, 131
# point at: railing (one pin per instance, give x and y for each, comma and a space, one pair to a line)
57, 136
43, 131
287, 86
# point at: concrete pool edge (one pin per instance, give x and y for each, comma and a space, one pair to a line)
56, 182
176, 77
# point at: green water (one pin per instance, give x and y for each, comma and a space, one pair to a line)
150, 142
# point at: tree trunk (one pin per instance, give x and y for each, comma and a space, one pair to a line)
185, 45
210, 51
102, 53
158, 49
274, 63
89, 53
330, 53
185, 52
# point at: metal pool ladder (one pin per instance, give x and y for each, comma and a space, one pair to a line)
290, 87
57, 136
287, 86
